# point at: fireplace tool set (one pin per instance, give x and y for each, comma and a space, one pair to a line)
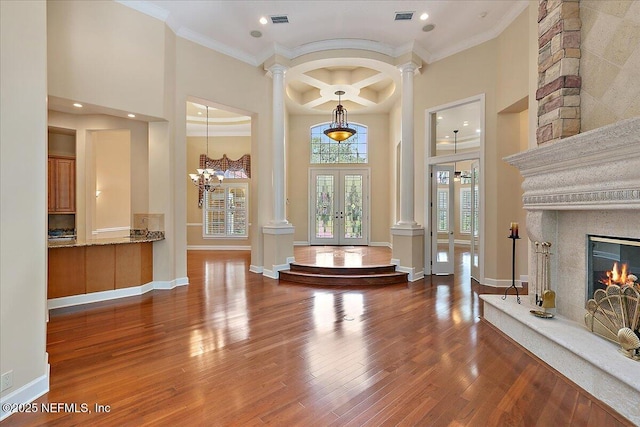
545, 297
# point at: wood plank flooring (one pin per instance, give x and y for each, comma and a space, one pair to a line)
235, 348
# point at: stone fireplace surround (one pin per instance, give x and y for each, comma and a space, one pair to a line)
585, 184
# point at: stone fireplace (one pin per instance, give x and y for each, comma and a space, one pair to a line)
584, 185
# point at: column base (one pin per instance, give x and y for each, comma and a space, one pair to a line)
278, 249
407, 251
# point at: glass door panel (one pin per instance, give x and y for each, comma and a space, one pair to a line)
442, 227
340, 210
475, 222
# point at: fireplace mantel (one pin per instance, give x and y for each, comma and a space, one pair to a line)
598, 169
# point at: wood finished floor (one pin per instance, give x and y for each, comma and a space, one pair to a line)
235, 348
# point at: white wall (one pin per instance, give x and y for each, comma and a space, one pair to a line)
23, 185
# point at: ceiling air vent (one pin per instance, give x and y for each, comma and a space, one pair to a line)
280, 19
404, 16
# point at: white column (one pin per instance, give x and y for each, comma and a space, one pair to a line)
407, 195
277, 73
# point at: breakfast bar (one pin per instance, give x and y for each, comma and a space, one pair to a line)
99, 267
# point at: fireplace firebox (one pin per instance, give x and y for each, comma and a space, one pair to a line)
612, 260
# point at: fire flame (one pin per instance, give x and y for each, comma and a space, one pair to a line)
617, 276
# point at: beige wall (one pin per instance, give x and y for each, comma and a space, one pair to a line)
112, 160
207, 75
381, 169
85, 126
23, 183
105, 54
234, 147
610, 62
476, 71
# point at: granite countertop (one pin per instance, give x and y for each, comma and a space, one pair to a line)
72, 243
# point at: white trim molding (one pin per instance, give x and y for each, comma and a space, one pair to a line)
217, 248
115, 294
25, 394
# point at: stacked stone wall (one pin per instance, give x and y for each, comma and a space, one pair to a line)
559, 78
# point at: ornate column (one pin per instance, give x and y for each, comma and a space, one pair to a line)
278, 233
407, 195
407, 235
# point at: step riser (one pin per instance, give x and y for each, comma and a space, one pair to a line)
343, 280
383, 269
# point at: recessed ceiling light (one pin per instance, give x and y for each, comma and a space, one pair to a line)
446, 136
77, 105
199, 113
263, 20
428, 27
131, 115
255, 33
424, 16
465, 123
478, 131
439, 117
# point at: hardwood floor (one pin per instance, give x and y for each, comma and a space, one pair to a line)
235, 348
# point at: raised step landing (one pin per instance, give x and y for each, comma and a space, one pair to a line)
372, 275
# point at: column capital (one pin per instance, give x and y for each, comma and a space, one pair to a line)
409, 67
409, 62
276, 65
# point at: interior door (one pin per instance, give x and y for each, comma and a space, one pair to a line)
475, 222
339, 207
442, 226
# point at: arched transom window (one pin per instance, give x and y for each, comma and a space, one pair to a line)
325, 150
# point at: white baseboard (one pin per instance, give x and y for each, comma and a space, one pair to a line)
500, 283
115, 294
25, 394
413, 275
301, 243
256, 269
382, 244
275, 272
217, 248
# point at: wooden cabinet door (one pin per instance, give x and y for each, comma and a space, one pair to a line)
62, 185
52, 184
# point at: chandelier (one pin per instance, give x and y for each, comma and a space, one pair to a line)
207, 179
339, 129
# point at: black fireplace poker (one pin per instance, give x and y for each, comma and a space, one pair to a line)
513, 236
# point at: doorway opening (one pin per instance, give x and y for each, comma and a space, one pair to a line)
454, 191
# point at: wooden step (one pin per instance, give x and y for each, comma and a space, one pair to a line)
340, 270
343, 276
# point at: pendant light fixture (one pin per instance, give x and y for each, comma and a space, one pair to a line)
339, 129
207, 179
457, 174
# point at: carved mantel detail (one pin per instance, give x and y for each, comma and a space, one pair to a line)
595, 170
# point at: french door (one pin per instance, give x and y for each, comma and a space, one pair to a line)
339, 207
442, 226
475, 221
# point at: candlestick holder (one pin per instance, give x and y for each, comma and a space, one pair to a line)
513, 238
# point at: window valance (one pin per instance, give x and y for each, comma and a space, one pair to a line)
225, 165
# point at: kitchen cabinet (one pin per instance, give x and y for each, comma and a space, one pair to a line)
62, 184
